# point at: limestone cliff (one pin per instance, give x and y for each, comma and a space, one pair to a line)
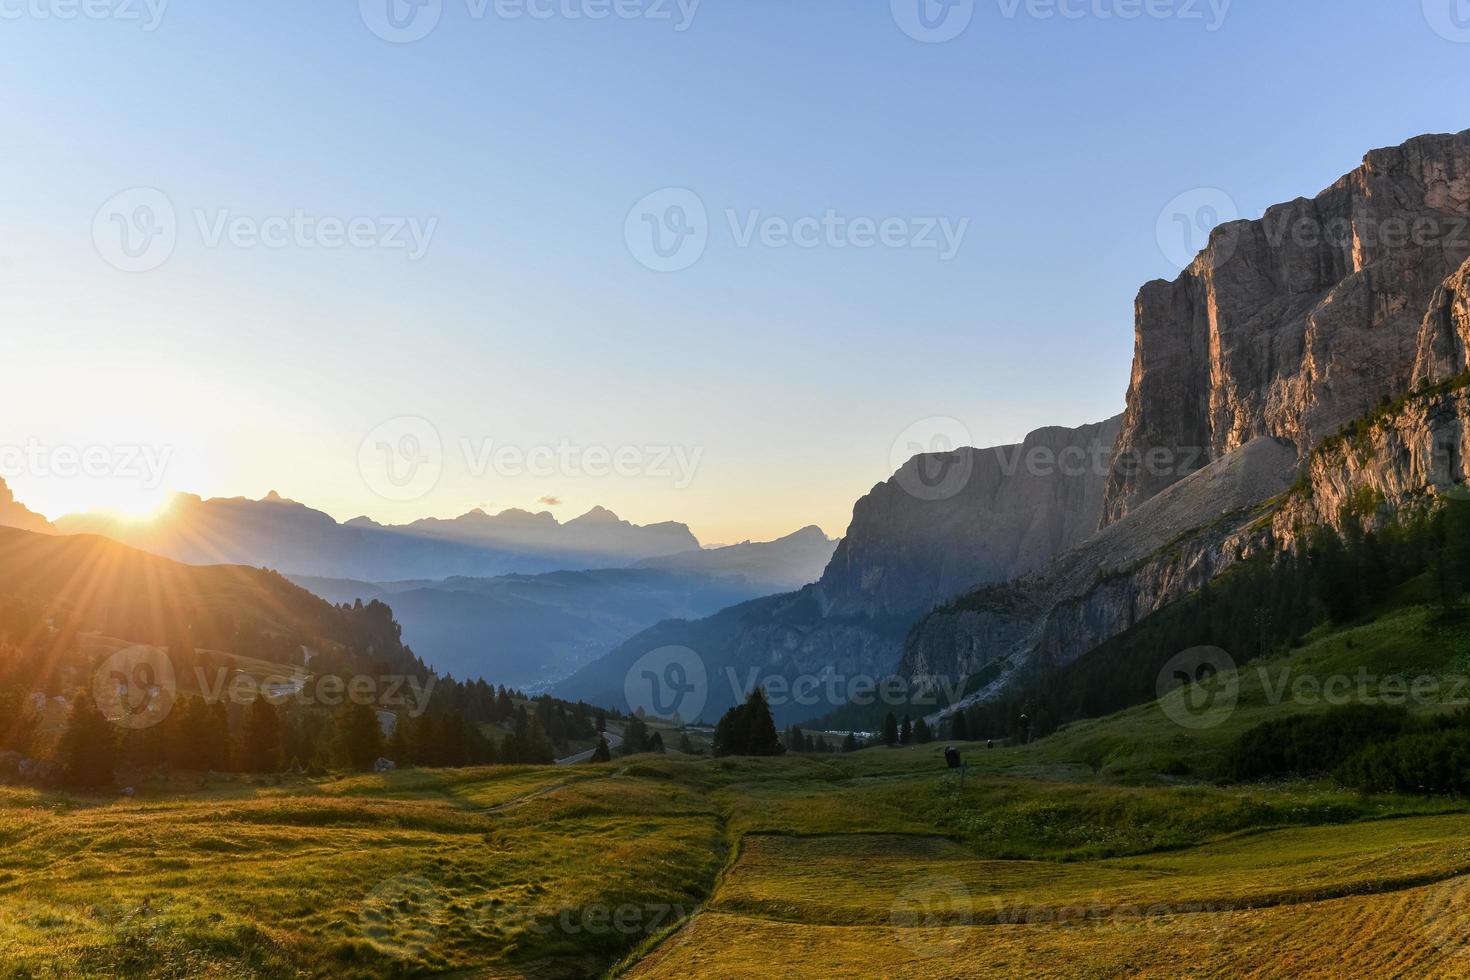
1017, 507
1295, 324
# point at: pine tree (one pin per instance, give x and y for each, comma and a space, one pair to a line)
602, 753
959, 727
262, 740
923, 734
359, 734
88, 747
398, 747
906, 733
216, 734
890, 730
761, 730
850, 743
748, 729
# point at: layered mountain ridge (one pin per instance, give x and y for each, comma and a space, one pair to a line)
278, 533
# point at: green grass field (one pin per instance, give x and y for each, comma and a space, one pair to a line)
1085, 854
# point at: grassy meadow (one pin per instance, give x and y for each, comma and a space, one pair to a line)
1090, 853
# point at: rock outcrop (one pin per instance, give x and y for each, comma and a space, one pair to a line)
1166, 548
1018, 507
1409, 451
1295, 324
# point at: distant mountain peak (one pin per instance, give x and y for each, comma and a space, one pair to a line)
599, 514
272, 498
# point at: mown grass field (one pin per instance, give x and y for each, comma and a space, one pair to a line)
1074, 856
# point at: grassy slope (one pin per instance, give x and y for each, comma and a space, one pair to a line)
1072, 856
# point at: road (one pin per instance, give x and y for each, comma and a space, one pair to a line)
613, 741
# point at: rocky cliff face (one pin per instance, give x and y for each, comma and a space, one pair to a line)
1409, 451
1347, 311
1294, 324
1168, 547
1014, 508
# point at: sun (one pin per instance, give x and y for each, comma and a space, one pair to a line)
119, 499
139, 507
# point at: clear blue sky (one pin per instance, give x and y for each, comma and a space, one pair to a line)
529, 322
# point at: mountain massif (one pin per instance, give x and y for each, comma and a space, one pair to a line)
1309, 361
278, 533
